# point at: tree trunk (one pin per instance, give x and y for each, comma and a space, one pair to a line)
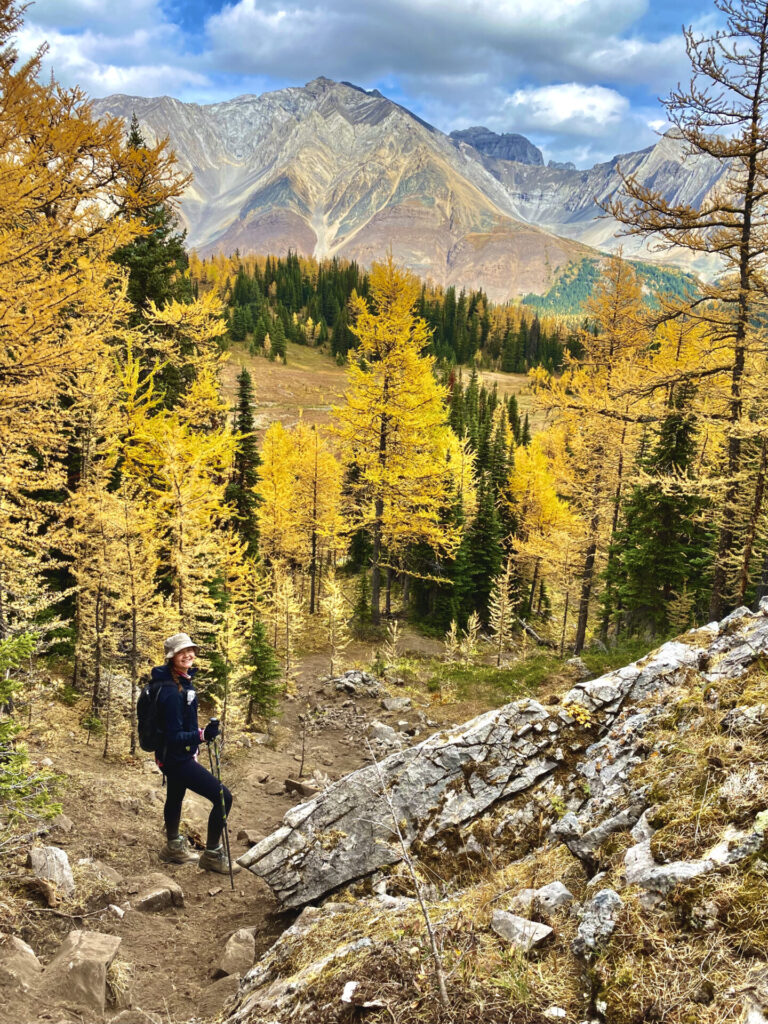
134, 676
606, 618
754, 517
388, 597
533, 585
406, 592
565, 621
587, 577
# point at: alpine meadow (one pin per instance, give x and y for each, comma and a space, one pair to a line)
443, 467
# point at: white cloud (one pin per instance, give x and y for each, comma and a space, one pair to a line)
561, 71
572, 109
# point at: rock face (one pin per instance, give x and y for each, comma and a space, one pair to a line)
454, 776
504, 147
330, 169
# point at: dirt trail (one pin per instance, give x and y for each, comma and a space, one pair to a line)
115, 808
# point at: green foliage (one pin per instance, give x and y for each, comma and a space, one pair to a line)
156, 261
25, 791
240, 493
259, 683
576, 282
287, 295
661, 549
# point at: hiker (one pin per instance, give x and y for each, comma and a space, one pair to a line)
177, 758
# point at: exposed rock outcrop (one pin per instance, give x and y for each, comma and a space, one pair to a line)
455, 776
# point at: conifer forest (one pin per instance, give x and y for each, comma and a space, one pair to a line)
137, 501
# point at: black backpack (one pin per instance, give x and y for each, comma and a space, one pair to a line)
151, 734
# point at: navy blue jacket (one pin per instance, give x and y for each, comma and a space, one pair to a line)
178, 717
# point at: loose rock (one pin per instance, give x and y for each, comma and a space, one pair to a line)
598, 920
519, 931
19, 967
52, 864
239, 953
158, 892
396, 703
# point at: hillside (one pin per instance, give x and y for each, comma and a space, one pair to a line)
633, 854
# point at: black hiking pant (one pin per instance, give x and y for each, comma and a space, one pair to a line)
190, 774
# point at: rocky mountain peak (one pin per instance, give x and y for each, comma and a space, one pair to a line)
509, 146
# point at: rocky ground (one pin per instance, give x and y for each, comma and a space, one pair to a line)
598, 856
167, 926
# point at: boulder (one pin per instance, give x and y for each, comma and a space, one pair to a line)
239, 953
598, 920
157, 892
52, 864
396, 703
519, 932
455, 775
19, 967
78, 972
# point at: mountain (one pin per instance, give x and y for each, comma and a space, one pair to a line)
568, 201
502, 147
332, 169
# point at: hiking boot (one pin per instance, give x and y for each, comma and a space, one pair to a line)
216, 860
178, 851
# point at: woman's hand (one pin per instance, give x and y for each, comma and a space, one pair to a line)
211, 731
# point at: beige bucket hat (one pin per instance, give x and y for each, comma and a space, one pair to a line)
177, 643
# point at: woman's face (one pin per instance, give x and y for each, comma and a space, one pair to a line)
184, 660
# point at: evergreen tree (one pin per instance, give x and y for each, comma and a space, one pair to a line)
156, 260
260, 681
662, 549
241, 493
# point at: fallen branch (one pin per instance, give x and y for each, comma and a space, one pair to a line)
532, 633
439, 974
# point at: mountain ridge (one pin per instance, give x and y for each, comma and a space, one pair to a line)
331, 169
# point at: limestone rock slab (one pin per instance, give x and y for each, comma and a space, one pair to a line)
525, 935
455, 775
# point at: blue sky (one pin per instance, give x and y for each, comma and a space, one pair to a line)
581, 78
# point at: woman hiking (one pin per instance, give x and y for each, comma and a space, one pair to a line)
177, 758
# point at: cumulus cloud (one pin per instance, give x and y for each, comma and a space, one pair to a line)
568, 72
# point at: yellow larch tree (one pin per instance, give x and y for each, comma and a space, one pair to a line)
335, 614
317, 508
392, 427
600, 417
66, 203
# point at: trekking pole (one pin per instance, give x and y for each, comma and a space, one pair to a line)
223, 806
